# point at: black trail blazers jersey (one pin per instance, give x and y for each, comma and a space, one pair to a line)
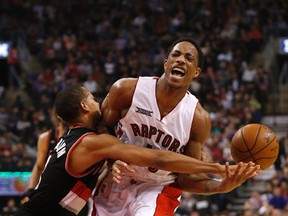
61, 192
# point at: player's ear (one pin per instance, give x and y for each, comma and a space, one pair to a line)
165, 64
84, 105
197, 72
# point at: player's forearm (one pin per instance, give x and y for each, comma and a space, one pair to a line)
163, 159
199, 184
34, 179
184, 164
170, 161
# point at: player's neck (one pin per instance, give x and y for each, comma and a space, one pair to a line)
75, 125
164, 89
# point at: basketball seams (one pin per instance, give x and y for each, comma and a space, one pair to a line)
237, 148
260, 158
245, 143
264, 147
254, 144
253, 156
257, 133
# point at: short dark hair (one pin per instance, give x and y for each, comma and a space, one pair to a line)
197, 46
67, 102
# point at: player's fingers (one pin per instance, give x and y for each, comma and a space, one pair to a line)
239, 168
252, 167
116, 174
119, 164
252, 172
115, 169
227, 167
256, 170
248, 167
129, 169
116, 180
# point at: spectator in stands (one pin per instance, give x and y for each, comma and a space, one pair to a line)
10, 208
257, 204
283, 152
14, 66
278, 200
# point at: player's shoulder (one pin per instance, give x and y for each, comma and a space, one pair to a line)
123, 89
43, 138
201, 111
201, 115
95, 141
125, 83
45, 135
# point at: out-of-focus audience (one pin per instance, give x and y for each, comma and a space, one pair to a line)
97, 42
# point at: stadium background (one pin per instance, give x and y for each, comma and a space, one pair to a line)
47, 45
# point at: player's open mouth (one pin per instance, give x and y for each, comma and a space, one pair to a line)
178, 73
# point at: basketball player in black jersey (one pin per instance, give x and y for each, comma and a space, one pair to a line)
73, 167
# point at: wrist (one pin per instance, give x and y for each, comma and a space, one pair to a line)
28, 192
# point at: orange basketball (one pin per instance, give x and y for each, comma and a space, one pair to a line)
257, 143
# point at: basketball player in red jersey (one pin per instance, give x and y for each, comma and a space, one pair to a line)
45, 144
159, 113
73, 167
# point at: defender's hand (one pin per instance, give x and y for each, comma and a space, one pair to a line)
235, 177
118, 168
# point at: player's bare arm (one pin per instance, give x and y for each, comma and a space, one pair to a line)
116, 104
42, 152
199, 133
118, 100
94, 148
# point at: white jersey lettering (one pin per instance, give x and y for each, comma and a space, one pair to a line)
60, 148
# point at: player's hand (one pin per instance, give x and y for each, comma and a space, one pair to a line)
236, 177
118, 168
24, 200
25, 197
242, 166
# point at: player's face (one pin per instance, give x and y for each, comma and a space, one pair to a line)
181, 66
94, 108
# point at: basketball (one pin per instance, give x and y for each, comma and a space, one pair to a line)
257, 143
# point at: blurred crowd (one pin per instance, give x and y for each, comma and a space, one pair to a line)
97, 42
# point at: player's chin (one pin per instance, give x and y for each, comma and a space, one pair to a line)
176, 83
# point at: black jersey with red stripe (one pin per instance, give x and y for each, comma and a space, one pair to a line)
60, 191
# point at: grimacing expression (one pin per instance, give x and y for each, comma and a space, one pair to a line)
181, 66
